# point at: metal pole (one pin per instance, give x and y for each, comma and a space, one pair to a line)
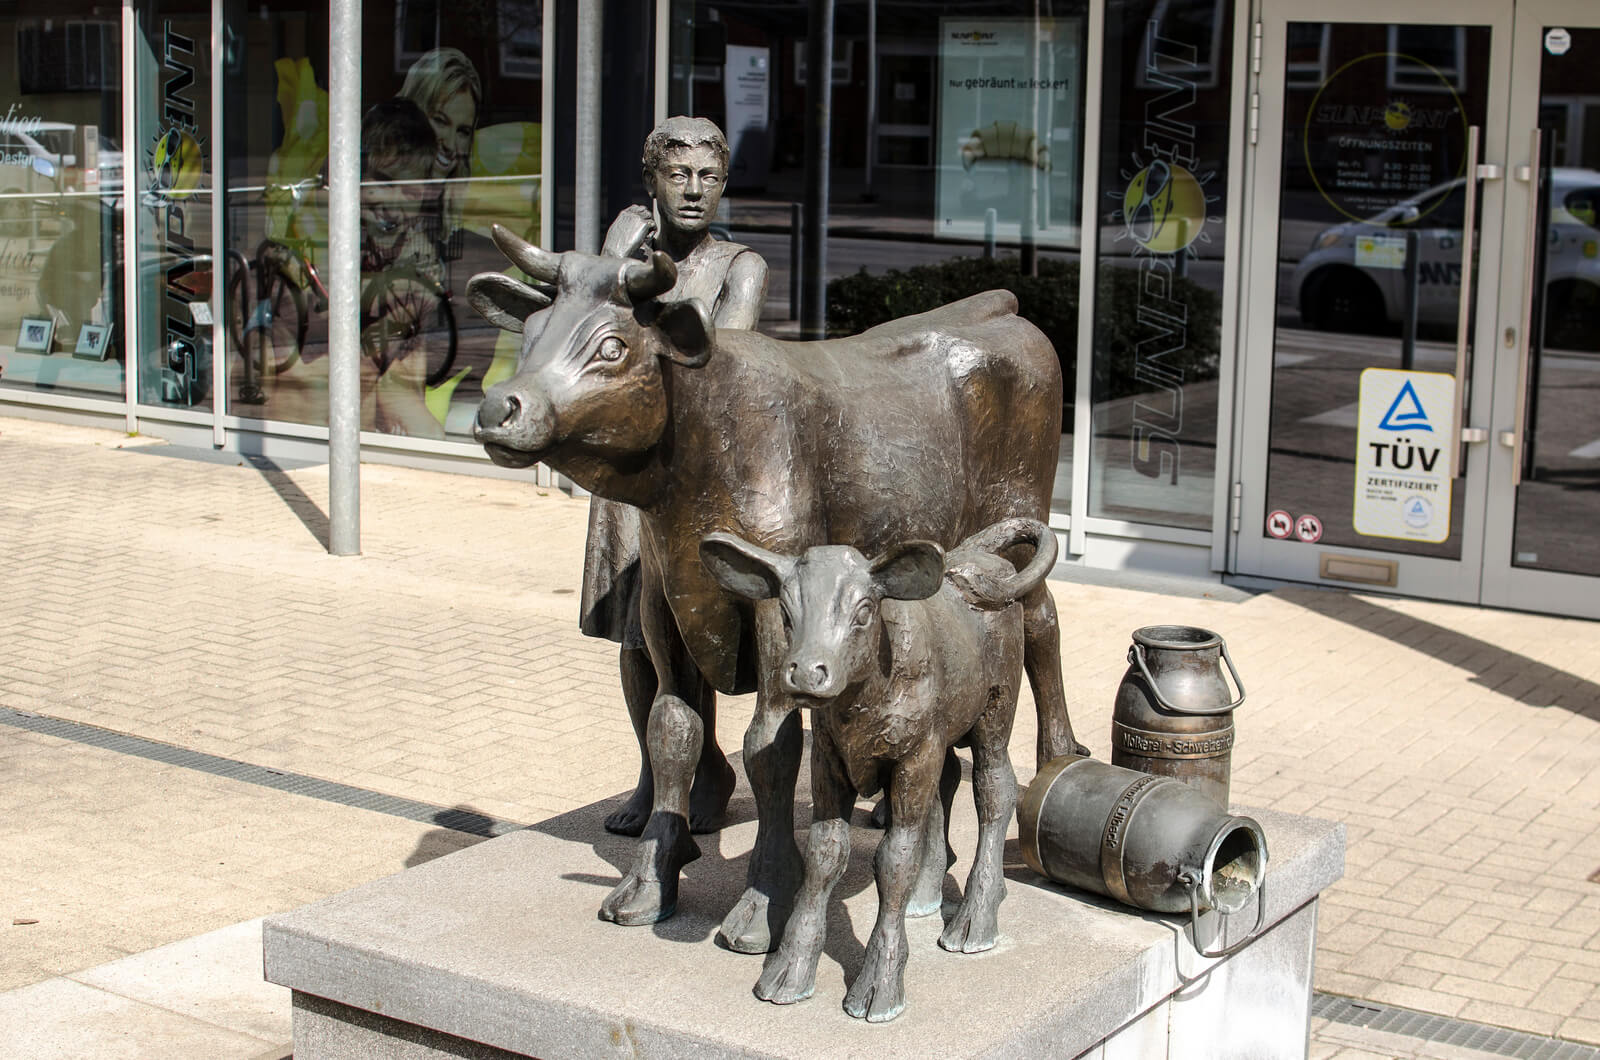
867, 192
1409, 279
796, 226
819, 109
586, 174
344, 277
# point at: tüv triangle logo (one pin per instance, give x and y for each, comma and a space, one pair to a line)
1406, 413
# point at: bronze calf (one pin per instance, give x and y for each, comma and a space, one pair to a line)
899, 660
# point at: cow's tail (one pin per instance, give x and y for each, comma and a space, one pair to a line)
987, 580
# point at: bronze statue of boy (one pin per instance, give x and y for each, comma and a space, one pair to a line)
685, 169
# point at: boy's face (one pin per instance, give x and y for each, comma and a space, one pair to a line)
687, 187
388, 206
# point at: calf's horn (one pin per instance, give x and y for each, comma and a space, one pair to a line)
644, 280
539, 264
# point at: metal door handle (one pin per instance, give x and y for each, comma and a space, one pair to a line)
1469, 233
1530, 173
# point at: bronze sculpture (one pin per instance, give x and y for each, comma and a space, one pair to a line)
899, 660
685, 168
930, 427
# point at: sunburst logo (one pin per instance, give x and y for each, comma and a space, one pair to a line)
1164, 206
175, 164
1397, 116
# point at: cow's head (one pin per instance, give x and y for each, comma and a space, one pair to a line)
588, 375
830, 599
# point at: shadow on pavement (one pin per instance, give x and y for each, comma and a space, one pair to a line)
1516, 676
310, 514
461, 827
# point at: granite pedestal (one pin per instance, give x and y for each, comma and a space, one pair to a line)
496, 951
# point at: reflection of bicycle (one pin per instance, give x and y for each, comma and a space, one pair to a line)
270, 319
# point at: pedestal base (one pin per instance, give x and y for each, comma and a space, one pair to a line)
496, 951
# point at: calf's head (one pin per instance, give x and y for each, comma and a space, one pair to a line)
588, 374
830, 598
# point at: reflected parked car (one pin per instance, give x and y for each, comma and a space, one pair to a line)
1353, 277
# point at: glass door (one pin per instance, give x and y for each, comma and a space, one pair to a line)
1376, 205
1541, 549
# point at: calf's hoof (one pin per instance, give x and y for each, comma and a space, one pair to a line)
785, 980
970, 931
749, 926
878, 993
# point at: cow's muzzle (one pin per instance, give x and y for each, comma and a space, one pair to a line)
513, 424
810, 677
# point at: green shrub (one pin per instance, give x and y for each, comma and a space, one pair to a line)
1049, 301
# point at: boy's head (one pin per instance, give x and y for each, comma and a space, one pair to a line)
685, 168
396, 146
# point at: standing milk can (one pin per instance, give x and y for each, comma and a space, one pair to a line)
1174, 712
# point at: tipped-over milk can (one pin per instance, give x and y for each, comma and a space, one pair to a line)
1174, 711
1148, 841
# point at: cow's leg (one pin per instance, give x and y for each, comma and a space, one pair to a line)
772, 747
1042, 659
994, 788
639, 693
714, 777
674, 737
649, 892
791, 973
936, 856
878, 992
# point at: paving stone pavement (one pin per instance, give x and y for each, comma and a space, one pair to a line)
191, 601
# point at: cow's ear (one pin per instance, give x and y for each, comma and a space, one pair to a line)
912, 571
742, 568
504, 302
687, 327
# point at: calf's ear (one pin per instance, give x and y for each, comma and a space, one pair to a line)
912, 571
742, 568
504, 302
687, 326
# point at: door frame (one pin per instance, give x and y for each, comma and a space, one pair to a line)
1504, 584
1254, 553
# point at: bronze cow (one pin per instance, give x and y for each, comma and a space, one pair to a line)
899, 660
930, 427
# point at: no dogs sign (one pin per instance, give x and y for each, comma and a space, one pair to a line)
1404, 454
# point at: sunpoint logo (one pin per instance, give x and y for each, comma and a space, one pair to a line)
974, 36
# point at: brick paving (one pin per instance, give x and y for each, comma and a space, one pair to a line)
190, 601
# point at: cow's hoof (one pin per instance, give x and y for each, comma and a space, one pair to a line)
970, 930
635, 902
748, 927
878, 993
708, 797
785, 981
649, 892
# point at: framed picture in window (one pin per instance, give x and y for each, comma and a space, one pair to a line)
94, 340
35, 334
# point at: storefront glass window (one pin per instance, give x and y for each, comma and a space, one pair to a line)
60, 198
956, 156
451, 140
1158, 324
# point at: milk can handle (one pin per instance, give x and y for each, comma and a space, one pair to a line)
1136, 657
1193, 883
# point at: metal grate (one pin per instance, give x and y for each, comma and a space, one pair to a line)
1446, 1030
456, 819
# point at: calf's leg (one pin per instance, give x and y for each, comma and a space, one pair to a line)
790, 974
878, 993
772, 748
936, 855
994, 786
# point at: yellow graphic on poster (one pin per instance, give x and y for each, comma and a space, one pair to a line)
1404, 455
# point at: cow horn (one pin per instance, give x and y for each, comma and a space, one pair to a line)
539, 264
644, 280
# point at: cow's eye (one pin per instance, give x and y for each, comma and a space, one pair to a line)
863, 615
611, 349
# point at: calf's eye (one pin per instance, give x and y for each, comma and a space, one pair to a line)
611, 349
863, 614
